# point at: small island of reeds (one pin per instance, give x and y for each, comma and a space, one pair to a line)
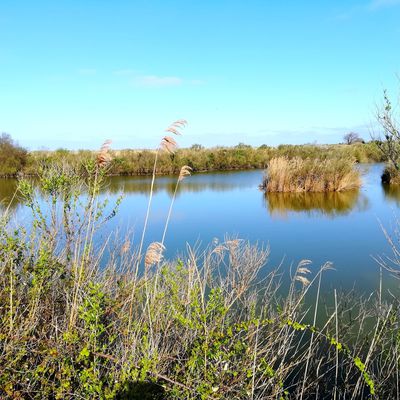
296, 174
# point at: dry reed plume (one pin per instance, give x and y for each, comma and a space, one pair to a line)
169, 145
154, 254
104, 156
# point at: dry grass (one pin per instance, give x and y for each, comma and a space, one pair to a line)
311, 175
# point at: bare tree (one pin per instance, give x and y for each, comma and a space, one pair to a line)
389, 144
352, 137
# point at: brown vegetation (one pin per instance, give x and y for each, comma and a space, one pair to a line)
311, 175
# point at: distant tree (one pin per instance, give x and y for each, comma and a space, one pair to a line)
352, 137
242, 146
12, 156
196, 147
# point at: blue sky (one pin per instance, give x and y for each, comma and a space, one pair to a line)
73, 73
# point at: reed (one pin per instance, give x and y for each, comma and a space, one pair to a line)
311, 175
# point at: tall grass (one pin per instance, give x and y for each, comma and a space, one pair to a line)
311, 175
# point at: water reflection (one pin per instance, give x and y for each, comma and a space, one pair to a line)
8, 196
392, 192
197, 183
330, 203
217, 182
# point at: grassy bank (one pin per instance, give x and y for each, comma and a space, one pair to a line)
311, 175
140, 162
83, 318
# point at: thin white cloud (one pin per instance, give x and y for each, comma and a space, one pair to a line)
139, 79
377, 4
368, 7
157, 81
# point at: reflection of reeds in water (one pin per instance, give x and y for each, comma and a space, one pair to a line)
392, 192
167, 184
330, 203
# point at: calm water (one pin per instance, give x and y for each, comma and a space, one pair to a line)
343, 228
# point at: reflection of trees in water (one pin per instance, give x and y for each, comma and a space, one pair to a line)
116, 185
327, 203
392, 192
7, 194
142, 186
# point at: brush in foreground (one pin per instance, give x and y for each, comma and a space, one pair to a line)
311, 175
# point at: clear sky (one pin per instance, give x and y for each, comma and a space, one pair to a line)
73, 73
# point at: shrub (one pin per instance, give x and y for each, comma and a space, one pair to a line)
391, 175
12, 156
389, 145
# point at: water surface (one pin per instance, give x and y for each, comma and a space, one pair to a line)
344, 228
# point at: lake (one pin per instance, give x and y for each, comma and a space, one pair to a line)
344, 228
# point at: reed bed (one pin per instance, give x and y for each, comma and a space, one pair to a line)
311, 175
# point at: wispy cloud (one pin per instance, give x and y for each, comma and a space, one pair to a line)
368, 7
157, 81
377, 4
140, 79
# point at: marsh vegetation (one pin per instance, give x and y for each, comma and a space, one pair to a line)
82, 318
200, 159
111, 318
311, 175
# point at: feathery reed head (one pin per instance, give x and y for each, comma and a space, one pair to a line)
104, 156
168, 144
154, 254
185, 171
176, 126
125, 247
301, 271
